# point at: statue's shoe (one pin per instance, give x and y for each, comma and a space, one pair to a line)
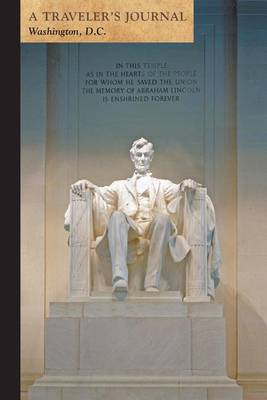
120, 286
152, 289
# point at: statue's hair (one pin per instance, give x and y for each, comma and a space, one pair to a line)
139, 143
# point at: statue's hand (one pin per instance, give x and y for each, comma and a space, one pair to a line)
81, 186
189, 185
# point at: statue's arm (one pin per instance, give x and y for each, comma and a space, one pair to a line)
77, 188
82, 185
107, 194
188, 184
171, 190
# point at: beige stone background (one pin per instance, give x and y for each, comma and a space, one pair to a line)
231, 162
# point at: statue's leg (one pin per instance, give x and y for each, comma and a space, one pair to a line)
159, 234
118, 228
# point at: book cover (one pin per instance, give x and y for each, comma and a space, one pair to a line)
191, 77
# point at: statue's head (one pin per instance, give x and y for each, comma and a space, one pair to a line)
141, 154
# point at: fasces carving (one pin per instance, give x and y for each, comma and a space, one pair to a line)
196, 233
80, 236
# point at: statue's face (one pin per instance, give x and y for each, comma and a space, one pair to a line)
142, 159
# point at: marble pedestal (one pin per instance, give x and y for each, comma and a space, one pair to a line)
148, 347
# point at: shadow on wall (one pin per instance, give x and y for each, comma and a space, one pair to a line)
252, 350
252, 339
250, 330
246, 341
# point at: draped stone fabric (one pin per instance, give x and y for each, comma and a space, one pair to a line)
182, 209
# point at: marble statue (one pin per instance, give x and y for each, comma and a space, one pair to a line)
162, 213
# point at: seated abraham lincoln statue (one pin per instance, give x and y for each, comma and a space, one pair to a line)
144, 207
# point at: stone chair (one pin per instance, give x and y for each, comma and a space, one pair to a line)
87, 217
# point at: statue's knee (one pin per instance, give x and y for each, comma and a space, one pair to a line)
117, 216
162, 220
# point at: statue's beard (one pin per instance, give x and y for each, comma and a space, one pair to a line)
141, 168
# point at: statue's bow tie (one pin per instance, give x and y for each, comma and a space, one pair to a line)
137, 175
